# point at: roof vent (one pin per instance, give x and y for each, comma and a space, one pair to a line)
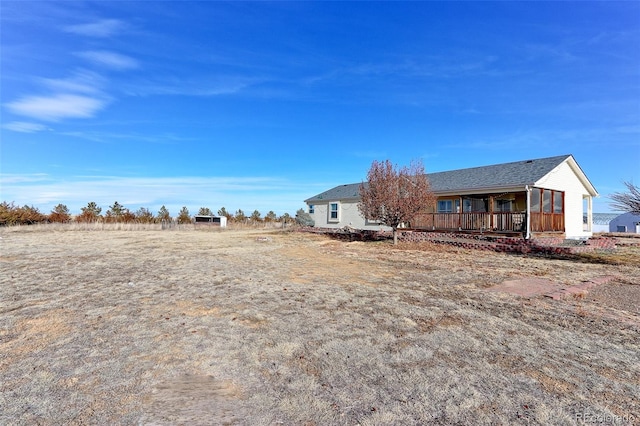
529, 161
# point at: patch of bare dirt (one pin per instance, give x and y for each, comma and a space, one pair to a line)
194, 400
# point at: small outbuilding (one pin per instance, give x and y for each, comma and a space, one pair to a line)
626, 222
211, 220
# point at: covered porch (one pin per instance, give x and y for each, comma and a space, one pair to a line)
522, 212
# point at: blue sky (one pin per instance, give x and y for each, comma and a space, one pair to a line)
255, 105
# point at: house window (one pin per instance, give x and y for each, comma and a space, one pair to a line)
333, 212
445, 206
475, 205
311, 209
502, 205
467, 205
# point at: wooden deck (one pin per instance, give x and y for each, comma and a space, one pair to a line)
508, 222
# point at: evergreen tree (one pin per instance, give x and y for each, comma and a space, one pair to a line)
60, 214
304, 218
205, 211
285, 218
183, 216
223, 212
90, 213
144, 215
240, 216
255, 216
116, 212
163, 215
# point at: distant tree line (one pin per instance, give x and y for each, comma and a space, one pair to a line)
11, 214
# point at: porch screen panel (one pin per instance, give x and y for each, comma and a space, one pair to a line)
546, 201
535, 200
557, 201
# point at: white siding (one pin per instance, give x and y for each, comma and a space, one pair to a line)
563, 178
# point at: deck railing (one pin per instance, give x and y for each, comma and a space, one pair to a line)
498, 221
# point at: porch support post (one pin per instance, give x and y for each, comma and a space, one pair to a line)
491, 212
527, 234
589, 213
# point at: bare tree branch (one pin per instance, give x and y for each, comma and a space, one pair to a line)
393, 196
627, 201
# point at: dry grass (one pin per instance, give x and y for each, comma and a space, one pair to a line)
269, 327
626, 256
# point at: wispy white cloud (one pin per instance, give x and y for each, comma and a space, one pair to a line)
189, 86
108, 59
105, 137
81, 81
11, 178
57, 107
102, 28
25, 127
425, 67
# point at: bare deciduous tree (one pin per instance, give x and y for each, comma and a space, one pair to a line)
393, 196
627, 201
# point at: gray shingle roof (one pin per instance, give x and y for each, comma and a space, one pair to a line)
518, 173
342, 192
505, 175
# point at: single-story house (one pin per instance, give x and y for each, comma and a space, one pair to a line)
626, 222
532, 197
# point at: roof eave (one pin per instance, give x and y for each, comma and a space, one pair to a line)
483, 190
582, 176
326, 200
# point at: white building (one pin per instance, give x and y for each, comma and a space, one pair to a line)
626, 222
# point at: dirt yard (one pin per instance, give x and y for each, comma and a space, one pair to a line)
257, 327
